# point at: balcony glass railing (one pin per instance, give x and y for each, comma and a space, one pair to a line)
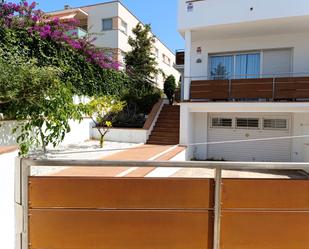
79, 32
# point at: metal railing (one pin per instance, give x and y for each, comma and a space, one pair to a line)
23, 171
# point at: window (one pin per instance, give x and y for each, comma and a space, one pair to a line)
221, 122
107, 24
123, 56
247, 123
166, 60
280, 124
221, 67
124, 27
236, 65
157, 53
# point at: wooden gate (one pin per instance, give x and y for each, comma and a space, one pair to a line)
120, 213
165, 213
265, 214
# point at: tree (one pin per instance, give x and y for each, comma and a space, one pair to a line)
37, 98
101, 110
42, 68
220, 72
169, 88
141, 93
140, 61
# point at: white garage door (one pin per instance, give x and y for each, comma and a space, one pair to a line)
249, 137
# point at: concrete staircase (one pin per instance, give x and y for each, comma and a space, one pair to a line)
166, 130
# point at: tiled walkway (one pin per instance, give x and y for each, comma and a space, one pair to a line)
140, 153
7, 149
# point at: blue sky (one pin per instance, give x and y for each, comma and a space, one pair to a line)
160, 13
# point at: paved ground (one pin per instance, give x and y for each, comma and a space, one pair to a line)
139, 153
7, 149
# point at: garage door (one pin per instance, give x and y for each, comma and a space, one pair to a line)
249, 137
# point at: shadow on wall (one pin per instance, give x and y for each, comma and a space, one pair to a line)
80, 131
7, 138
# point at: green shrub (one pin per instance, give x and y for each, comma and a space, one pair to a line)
169, 88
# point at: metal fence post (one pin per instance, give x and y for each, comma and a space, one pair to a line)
217, 211
274, 87
25, 173
230, 88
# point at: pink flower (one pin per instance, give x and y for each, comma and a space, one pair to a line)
32, 5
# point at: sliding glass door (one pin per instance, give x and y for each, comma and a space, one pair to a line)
236, 66
222, 67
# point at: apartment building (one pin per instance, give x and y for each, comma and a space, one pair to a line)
112, 23
245, 66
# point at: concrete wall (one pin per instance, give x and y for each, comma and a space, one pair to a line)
300, 146
95, 15
118, 40
7, 224
298, 42
79, 132
219, 12
122, 135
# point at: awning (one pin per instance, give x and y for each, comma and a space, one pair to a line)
70, 14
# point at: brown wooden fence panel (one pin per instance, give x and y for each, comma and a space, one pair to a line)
265, 194
265, 213
209, 89
89, 229
292, 88
252, 88
110, 213
170, 213
264, 230
94, 192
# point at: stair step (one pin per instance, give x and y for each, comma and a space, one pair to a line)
166, 129
164, 134
169, 126
169, 130
165, 142
165, 137
167, 120
161, 143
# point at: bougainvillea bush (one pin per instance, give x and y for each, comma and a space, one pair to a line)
43, 68
86, 67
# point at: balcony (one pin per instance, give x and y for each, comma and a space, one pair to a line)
276, 88
180, 57
79, 32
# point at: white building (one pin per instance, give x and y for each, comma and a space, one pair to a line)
112, 23
246, 79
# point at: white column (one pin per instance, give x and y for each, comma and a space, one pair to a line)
186, 129
187, 74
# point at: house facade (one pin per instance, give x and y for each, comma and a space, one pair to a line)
112, 23
245, 91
